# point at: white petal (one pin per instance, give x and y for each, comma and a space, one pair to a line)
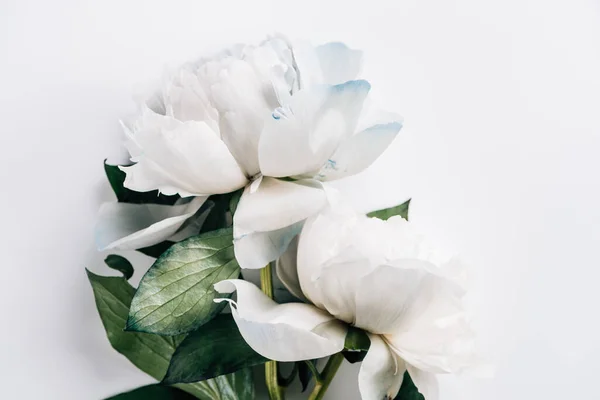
381, 372
301, 136
276, 204
126, 226
433, 333
338, 62
424, 381
255, 250
239, 96
359, 151
331, 63
399, 289
282, 332
186, 158
287, 272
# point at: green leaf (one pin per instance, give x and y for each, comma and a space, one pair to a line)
151, 353
116, 178
217, 217
356, 345
386, 213
176, 294
154, 392
120, 264
305, 373
156, 250
216, 348
408, 390
235, 199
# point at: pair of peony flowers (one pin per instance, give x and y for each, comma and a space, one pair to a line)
280, 120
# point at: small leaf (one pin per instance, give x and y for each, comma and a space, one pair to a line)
216, 348
151, 353
154, 392
116, 178
235, 199
156, 250
305, 372
176, 294
120, 264
386, 213
356, 345
217, 217
408, 390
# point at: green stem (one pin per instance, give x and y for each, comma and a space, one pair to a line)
326, 376
275, 391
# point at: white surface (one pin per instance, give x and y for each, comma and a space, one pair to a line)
499, 152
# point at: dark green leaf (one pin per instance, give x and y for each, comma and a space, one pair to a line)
235, 199
216, 348
305, 373
176, 294
120, 264
356, 345
154, 392
156, 250
217, 217
116, 178
151, 353
401, 210
408, 391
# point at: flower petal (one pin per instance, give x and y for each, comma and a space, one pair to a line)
360, 151
432, 333
301, 136
282, 332
126, 226
381, 372
331, 63
240, 98
338, 62
424, 381
287, 272
276, 204
255, 250
180, 157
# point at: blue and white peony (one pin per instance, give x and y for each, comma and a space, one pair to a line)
278, 119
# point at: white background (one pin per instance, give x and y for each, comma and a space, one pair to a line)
500, 153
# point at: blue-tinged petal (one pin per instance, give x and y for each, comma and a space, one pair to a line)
125, 226
332, 63
360, 151
339, 63
301, 136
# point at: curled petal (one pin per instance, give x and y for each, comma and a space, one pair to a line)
360, 151
381, 372
301, 136
126, 226
287, 270
187, 158
424, 381
282, 332
255, 250
270, 215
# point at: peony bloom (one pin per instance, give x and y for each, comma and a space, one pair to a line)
276, 119
376, 275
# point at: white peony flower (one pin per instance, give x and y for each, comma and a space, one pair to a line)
276, 119
377, 275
